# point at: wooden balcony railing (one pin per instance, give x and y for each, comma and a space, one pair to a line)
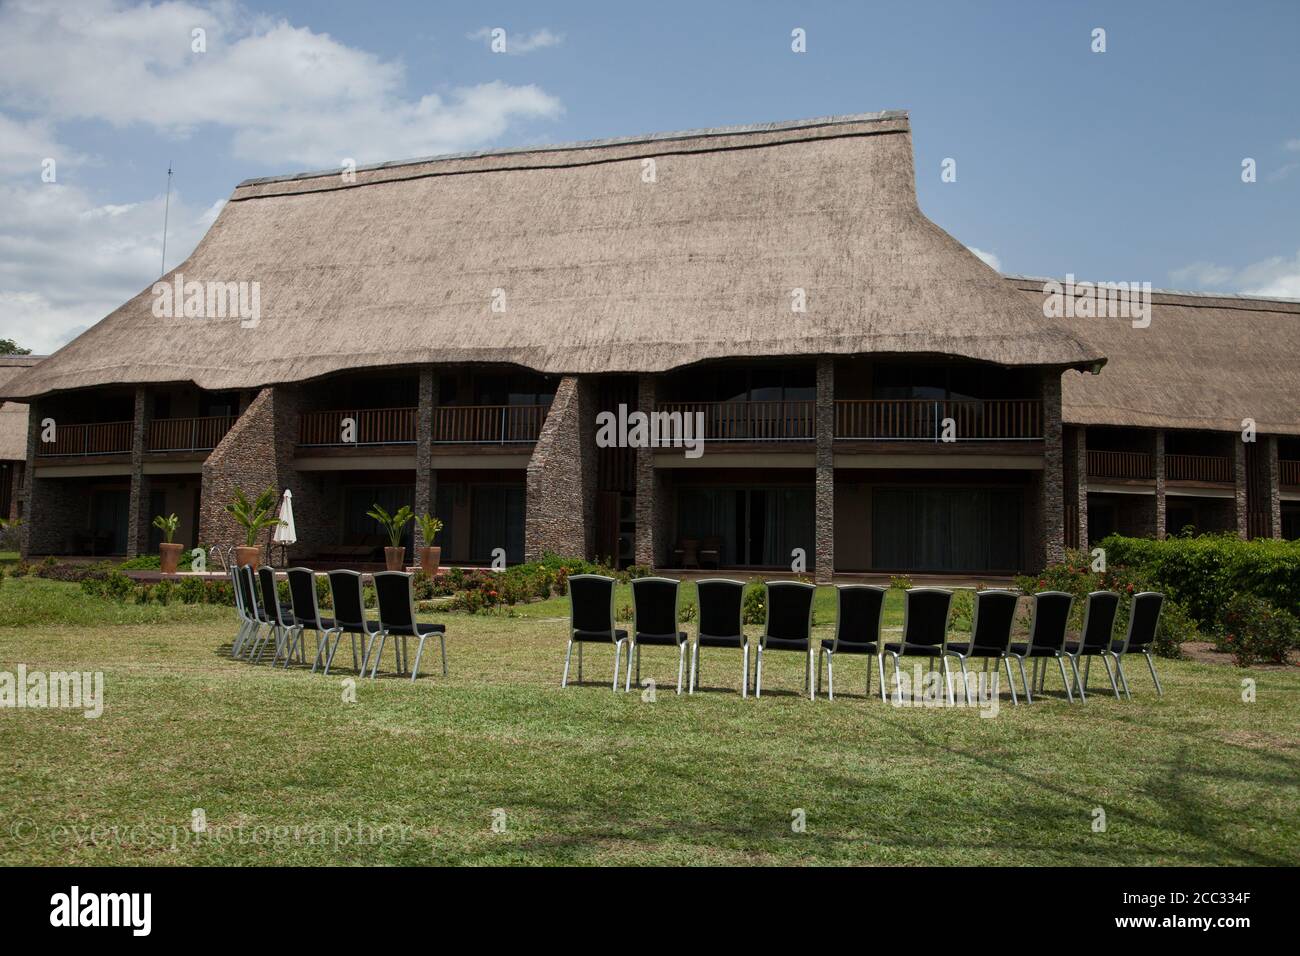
373, 426
750, 421
917, 419
487, 424
1198, 468
188, 434
1290, 472
103, 438
1125, 465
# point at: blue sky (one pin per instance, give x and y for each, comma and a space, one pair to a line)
1122, 165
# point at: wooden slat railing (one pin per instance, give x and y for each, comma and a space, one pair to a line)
749, 421
1198, 468
374, 426
918, 419
487, 424
1120, 464
103, 438
1290, 472
188, 434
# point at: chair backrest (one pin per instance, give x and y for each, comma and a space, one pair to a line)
722, 605
995, 615
654, 606
1143, 620
925, 616
346, 596
1051, 618
591, 603
233, 574
858, 613
248, 591
302, 596
789, 610
1099, 618
396, 598
270, 595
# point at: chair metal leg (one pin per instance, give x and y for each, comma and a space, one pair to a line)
1024, 682
1087, 671
1011, 681
695, 654
681, 664
379, 654
868, 692
618, 656
1119, 669
821, 653
965, 678
1078, 683
808, 668
442, 640
338, 636
568, 654
580, 663
880, 670
1152, 664
744, 667
1114, 686
830, 675
898, 681
947, 679
418, 651
758, 673
632, 650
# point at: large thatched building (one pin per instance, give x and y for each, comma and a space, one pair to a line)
458, 333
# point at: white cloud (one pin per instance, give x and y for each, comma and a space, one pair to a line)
1275, 276
519, 44
286, 93
988, 258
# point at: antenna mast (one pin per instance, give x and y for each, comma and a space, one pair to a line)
166, 211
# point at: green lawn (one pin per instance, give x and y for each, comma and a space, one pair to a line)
284, 769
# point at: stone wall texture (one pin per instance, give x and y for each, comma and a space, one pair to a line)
561, 477
649, 548
824, 524
1240, 496
1051, 491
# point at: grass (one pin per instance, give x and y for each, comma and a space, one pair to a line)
284, 770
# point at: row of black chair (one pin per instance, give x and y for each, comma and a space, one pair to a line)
926, 615
265, 621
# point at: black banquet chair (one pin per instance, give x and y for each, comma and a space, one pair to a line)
591, 620
1051, 616
276, 616
1095, 640
925, 633
395, 595
859, 610
306, 610
788, 627
990, 635
655, 623
349, 602
721, 608
248, 622
1143, 622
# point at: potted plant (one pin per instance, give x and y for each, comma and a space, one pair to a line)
430, 555
394, 556
169, 554
252, 516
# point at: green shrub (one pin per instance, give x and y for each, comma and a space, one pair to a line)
624, 614
1254, 630
963, 610
689, 611
112, 585
755, 605
900, 581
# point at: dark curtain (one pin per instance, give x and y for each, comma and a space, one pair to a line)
943, 529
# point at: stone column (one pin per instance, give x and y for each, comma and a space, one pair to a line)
1158, 465
139, 520
1052, 487
648, 545
1241, 480
32, 486
562, 476
1080, 451
426, 491
1274, 469
824, 525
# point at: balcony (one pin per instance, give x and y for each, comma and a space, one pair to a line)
102, 438
487, 424
1121, 465
1212, 468
188, 434
754, 421
916, 419
368, 426
1290, 472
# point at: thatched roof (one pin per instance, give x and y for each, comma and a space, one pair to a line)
1204, 362
13, 416
601, 270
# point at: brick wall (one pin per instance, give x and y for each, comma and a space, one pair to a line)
649, 549
1051, 487
561, 478
824, 525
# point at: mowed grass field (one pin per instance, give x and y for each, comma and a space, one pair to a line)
495, 764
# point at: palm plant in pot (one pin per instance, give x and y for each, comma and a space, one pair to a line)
394, 556
169, 554
430, 554
253, 517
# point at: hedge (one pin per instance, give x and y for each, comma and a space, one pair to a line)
1204, 573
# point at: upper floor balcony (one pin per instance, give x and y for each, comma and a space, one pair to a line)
1290, 472
101, 423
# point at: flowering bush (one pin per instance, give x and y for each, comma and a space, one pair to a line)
1256, 631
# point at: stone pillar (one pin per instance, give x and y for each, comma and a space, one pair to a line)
561, 489
824, 525
648, 546
1242, 481
139, 520
1274, 469
31, 486
1052, 486
1158, 465
426, 491
1080, 452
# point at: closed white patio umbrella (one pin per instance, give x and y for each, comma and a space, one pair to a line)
286, 533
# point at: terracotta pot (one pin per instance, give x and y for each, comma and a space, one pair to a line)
394, 558
246, 555
429, 559
169, 556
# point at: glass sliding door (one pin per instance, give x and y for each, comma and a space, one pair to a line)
946, 529
754, 527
